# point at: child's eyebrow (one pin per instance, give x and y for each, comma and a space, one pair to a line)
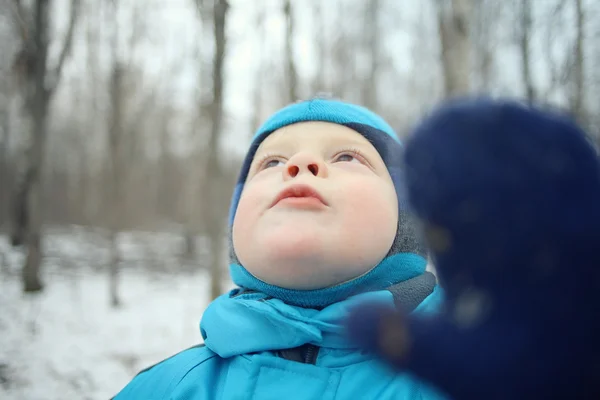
350, 141
279, 145
273, 148
283, 146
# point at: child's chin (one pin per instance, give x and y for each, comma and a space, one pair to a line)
289, 241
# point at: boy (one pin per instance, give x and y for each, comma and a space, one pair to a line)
318, 223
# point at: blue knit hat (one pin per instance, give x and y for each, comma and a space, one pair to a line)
407, 256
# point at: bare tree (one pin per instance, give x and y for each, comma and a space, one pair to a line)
7, 38
93, 115
37, 83
578, 98
558, 67
593, 114
116, 168
292, 75
213, 208
215, 213
487, 16
257, 96
124, 138
115, 153
372, 43
4, 129
524, 48
192, 214
336, 52
320, 83
340, 57
453, 21
4, 138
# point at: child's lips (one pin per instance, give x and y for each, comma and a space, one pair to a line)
302, 202
300, 196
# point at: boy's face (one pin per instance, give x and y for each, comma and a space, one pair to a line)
340, 221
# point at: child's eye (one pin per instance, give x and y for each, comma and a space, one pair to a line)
346, 157
272, 163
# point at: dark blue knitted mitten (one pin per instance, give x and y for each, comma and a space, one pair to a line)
509, 201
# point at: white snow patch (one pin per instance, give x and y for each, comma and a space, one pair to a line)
68, 343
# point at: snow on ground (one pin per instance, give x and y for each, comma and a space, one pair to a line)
68, 343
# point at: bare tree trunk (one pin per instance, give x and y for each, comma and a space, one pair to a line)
257, 95
4, 131
38, 84
485, 19
115, 137
524, 38
92, 193
189, 203
341, 65
31, 69
320, 83
578, 102
189, 244
5, 92
214, 214
559, 71
115, 259
292, 75
32, 196
372, 29
453, 20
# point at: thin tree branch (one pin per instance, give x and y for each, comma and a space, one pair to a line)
292, 74
578, 105
19, 13
57, 71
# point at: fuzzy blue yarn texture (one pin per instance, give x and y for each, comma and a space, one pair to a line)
407, 257
508, 196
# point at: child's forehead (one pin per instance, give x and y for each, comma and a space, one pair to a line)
313, 133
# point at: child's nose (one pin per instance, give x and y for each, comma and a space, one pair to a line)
305, 163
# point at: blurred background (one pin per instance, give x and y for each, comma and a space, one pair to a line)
123, 124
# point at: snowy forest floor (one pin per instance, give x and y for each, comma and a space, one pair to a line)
68, 342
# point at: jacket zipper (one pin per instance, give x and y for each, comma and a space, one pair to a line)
308, 352
311, 354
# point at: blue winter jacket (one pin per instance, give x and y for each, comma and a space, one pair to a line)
256, 347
